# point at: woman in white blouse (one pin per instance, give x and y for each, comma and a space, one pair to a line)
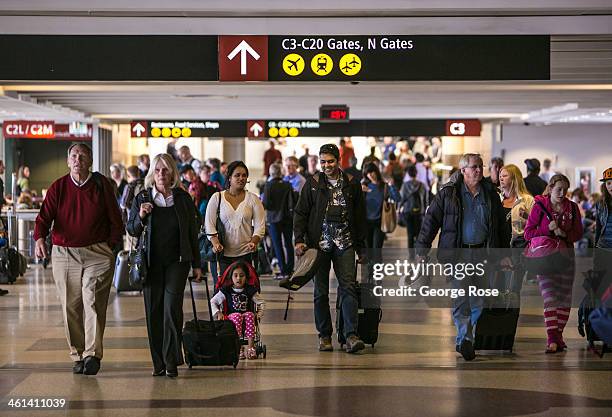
242, 215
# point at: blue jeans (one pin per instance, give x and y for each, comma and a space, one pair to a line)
466, 310
344, 267
282, 240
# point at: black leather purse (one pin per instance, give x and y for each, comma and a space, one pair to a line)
137, 261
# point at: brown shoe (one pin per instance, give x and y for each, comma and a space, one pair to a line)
325, 344
354, 344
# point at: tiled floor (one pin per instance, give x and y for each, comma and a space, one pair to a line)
412, 371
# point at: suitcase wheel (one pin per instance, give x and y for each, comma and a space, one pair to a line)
373, 345
264, 351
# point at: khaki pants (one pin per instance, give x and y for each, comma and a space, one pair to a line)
83, 278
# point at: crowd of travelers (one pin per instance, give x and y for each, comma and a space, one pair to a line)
322, 201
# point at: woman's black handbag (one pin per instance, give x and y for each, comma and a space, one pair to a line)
206, 247
138, 262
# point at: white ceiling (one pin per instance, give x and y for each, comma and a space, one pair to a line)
581, 57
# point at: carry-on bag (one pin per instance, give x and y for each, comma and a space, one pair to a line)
306, 268
209, 343
370, 314
121, 279
496, 326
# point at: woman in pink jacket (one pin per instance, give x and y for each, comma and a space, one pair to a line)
555, 216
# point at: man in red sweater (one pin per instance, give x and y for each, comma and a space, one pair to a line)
86, 224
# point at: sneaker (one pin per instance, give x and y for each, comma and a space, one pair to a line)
467, 350
3, 292
78, 367
325, 344
91, 365
354, 344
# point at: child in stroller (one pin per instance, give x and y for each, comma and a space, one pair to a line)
238, 300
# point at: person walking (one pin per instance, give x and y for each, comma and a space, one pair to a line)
535, 185
172, 226
278, 200
82, 208
412, 207
555, 216
468, 214
242, 215
329, 216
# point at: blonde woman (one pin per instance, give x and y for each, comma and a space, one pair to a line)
171, 251
517, 204
516, 201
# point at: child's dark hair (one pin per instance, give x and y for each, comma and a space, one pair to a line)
238, 265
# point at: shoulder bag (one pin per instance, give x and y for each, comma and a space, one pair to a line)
388, 220
137, 260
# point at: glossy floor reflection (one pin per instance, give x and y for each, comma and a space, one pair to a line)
412, 371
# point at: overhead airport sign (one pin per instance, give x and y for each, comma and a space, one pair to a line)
30, 129
261, 129
275, 58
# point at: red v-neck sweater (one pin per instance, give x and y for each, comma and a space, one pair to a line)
81, 216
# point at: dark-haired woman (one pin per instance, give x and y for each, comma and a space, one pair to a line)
603, 232
242, 215
376, 192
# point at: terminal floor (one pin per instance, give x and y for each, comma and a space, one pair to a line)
412, 371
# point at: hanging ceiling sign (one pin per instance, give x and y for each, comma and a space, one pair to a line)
238, 58
262, 129
30, 129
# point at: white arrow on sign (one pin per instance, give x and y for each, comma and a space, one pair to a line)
256, 129
243, 47
138, 129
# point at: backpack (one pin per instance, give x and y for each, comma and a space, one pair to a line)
413, 204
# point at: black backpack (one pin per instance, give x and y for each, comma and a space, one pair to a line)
413, 204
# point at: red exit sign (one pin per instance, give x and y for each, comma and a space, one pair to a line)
333, 114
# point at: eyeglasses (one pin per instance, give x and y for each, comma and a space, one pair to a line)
475, 167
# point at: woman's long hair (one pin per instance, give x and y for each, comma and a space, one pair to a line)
372, 167
606, 198
230, 171
169, 163
555, 179
517, 183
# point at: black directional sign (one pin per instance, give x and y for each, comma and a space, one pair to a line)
289, 58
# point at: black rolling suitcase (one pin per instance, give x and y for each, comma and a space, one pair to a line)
496, 327
209, 343
370, 315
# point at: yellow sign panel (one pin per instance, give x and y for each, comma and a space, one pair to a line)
156, 132
186, 132
176, 132
273, 132
321, 64
166, 132
350, 64
293, 64
293, 132
283, 132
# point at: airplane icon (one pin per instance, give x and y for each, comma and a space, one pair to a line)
293, 64
350, 65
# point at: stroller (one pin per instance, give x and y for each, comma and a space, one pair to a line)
252, 280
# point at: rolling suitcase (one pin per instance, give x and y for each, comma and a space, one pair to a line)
209, 343
496, 327
121, 279
370, 314
9, 265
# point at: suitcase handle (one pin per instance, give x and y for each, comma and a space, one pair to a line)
195, 313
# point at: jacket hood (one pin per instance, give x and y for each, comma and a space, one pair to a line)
412, 186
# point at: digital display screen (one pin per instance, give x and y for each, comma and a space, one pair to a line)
333, 114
